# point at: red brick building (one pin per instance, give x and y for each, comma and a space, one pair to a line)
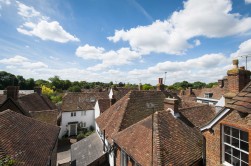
227, 137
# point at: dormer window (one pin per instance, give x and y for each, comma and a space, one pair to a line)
208, 95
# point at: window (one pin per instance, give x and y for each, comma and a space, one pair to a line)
123, 158
208, 95
73, 114
235, 146
83, 113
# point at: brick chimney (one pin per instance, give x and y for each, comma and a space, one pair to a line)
112, 101
12, 91
171, 103
238, 78
190, 91
38, 90
160, 85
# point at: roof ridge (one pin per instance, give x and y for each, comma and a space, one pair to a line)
156, 149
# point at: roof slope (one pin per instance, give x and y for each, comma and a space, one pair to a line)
35, 102
175, 142
242, 101
104, 104
87, 150
13, 105
81, 101
130, 109
29, 141
198, 115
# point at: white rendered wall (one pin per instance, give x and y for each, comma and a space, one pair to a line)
87, 118
96, 110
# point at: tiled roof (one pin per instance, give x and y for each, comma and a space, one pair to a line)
14, 106
35, 102
81, 101
217, 92
48, 116
130, 109
242, 101
118, 93
174, 142
87, 150
104, 104
28, 141
199, 115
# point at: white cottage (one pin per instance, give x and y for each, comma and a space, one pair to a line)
78, 111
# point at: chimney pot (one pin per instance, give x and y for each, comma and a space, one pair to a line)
235, 63
160, 86
242, 68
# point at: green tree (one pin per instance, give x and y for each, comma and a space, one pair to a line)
75, 88
147, 87
198, 85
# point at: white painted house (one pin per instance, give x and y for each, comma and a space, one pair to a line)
78, 111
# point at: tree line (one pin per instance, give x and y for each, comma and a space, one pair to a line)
60, 85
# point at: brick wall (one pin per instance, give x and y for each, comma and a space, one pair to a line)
130, 161
213, 139
237, 80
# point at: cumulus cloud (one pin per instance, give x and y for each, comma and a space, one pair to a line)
47, 31
244, 49
247, 1
209, 68
171, 35
27, 11
109, 58
38, 25
22, 62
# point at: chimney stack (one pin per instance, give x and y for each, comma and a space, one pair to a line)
190, 91
160, 85
237, 78
38, 90
171, 103
12, 91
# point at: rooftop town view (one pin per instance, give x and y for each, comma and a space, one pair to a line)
125, 83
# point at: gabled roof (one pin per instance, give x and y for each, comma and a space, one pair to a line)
10, 103
75, 101
133, 107
104, 104
119, 92
48, 116
35, 102
28, 141
174, 142
242, 101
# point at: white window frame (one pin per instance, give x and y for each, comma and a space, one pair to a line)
123, 158
236, 148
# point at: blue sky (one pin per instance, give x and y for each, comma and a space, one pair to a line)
124, 41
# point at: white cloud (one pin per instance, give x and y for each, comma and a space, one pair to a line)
47, 31
209, 68
22, 62
247, 1
38, 25
197, 42
89, 52
6, 2
109, 58
171, 36
244, 49
26, 11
